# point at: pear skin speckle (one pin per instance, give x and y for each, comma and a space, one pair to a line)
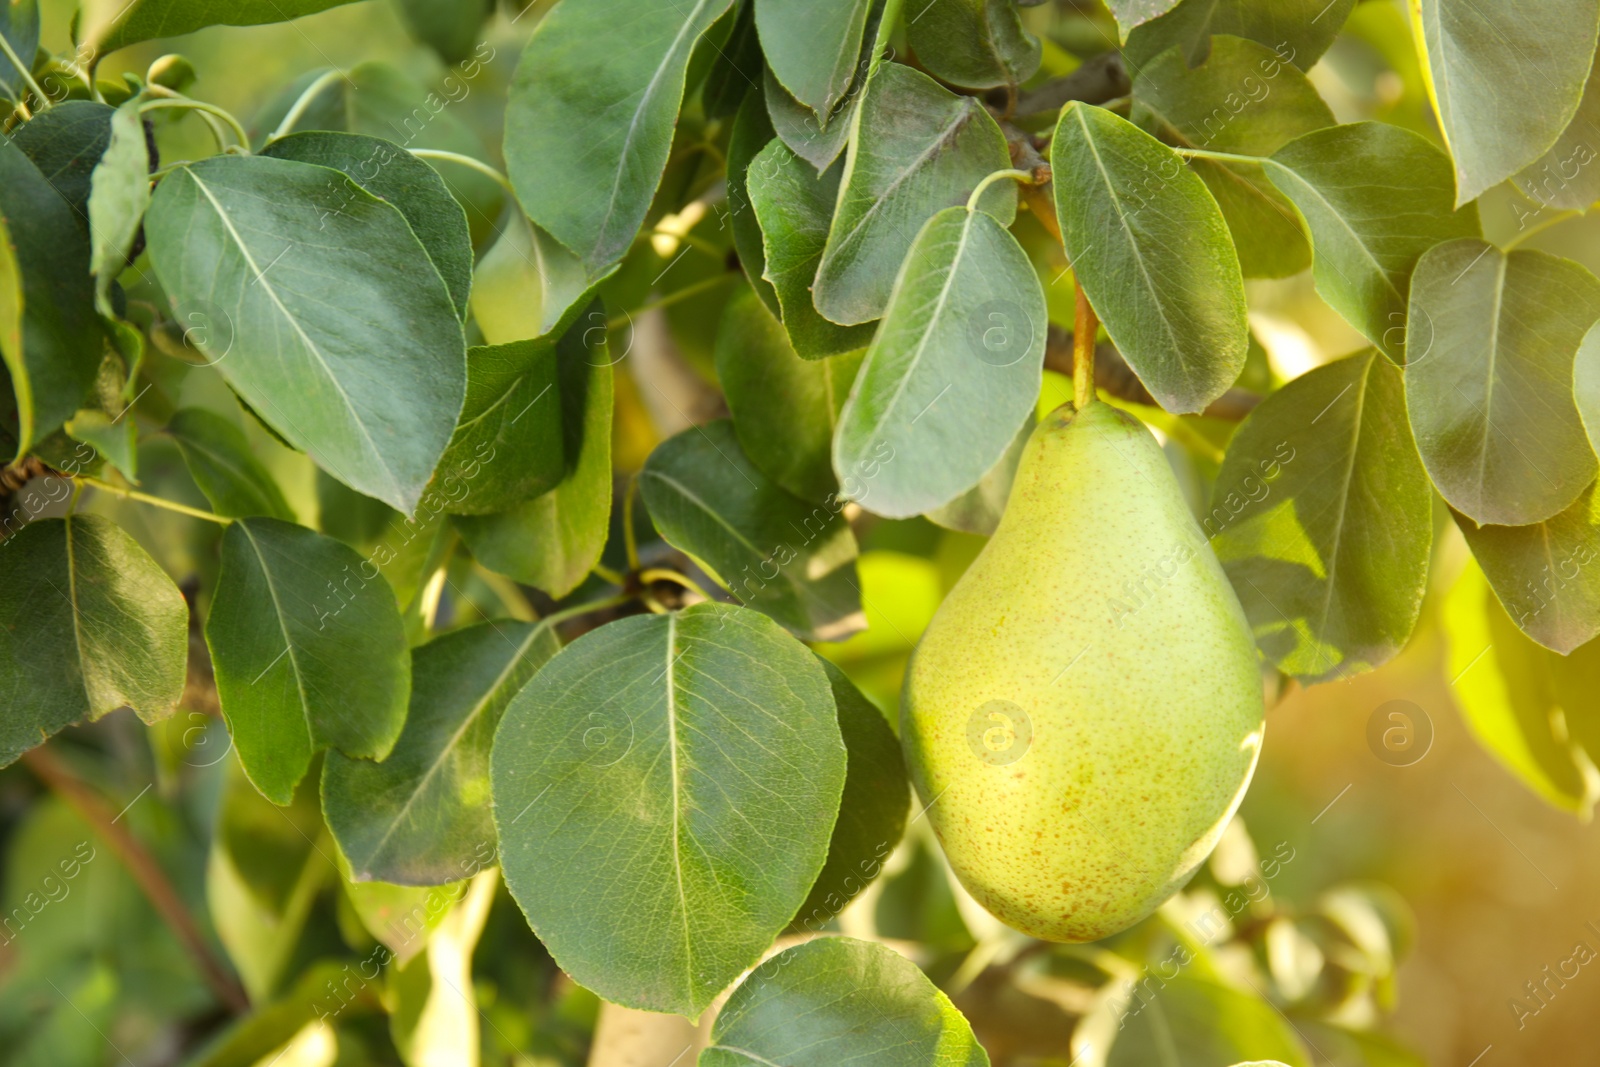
1085, 711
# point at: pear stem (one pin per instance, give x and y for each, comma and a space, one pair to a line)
1084, 325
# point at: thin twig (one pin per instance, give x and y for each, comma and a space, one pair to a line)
154, 501
144, 869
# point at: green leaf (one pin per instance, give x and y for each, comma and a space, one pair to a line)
953, 370
390, 173
1491, 395
1375, 197
431, 1019
664, 790
1562, 178
115, 439
1506, 689
1189, 1021
978, 510
794, 207
836, 1000
1504, 86
219, 458
294, 611
507, 446
1322, 518
1219, 106
777, 553
802, 131
608, 75
49, 335
751, 132
872, 809
1301, 30
554, 540
450, 27
89, 623
113, 24
421, 817
120, 193
343, 338
976, 44
527, 285
1165, 281
1542, 572
784, 408
19, 22
379, 100
65, 142
812, 46
1132, 13
917, 148
736, 69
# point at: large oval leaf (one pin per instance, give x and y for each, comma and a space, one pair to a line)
784, 408
421, 817
89, 623
343, 337
1504, 85
794, 208
1547, 575
952, 372
664, 790
390, 173
837, 1000
1367, 233
777, 553
812, 45
555, 539
1152, 252
113, 24
1219, 106
50, 338
1491, 395
607, 75
1323, 520
309, 651
917, 148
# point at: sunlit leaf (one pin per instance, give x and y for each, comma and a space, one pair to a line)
113, 24
1191, 1021
1323, 520
1153, 253
952, 372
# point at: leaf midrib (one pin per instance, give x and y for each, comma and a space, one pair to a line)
677, 814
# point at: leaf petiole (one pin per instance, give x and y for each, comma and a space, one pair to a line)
185, 103
999, 175
297, 110
155, 501
466, 161
662, 574
27, 75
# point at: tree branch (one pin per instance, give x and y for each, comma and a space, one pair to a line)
144, 868
1100, 78
1112, 373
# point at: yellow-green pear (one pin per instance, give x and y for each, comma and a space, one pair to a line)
1085, 710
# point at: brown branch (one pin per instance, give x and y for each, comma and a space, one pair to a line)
144, 868
1100, 78
1112, 373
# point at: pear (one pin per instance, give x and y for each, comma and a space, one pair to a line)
1085, 710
